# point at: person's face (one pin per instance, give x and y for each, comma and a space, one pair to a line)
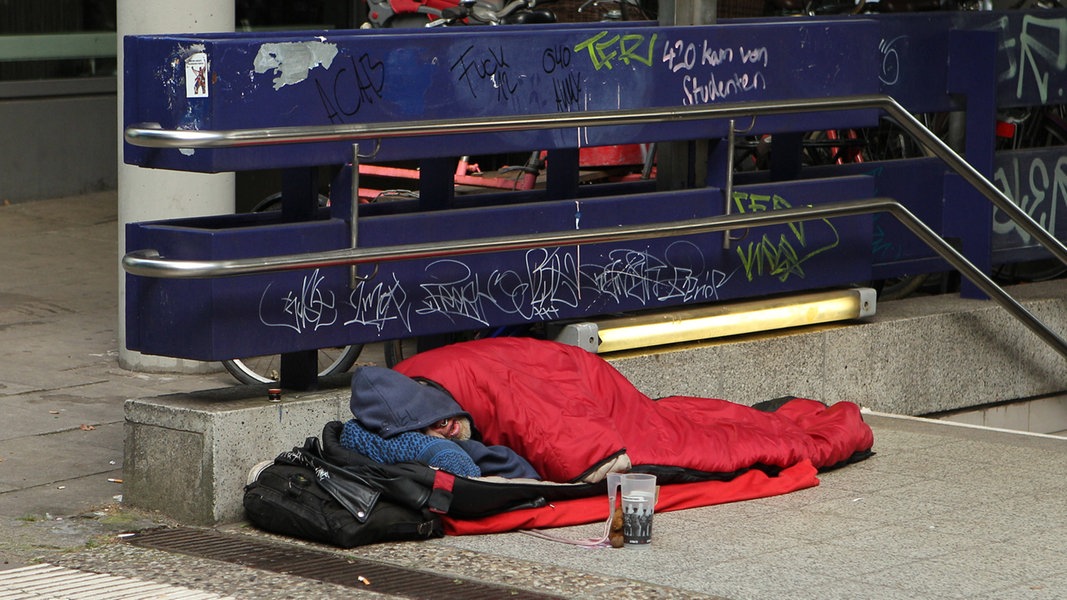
452, 428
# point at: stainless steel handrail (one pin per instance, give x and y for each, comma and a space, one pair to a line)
148, 263
154, 137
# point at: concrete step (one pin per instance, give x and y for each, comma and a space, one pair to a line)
187, 455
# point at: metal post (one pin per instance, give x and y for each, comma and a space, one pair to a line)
353, 219
728, 190
300, 202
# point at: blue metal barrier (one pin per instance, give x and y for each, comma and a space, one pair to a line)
378, 76
928, 62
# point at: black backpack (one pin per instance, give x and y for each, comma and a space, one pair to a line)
327, 493
457, 496
303, 496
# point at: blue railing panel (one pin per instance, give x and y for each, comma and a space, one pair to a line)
1037, 180
288, 311
238, 81
383, 77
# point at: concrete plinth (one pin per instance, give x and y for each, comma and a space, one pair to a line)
188, 455
916, 356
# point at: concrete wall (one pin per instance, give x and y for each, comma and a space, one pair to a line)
916, 356
57, 147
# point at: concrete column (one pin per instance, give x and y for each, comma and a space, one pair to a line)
154, 194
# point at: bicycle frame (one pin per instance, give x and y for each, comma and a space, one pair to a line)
381, 12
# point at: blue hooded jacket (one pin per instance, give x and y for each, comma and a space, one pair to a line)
389, 404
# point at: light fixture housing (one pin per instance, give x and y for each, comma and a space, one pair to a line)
719, 320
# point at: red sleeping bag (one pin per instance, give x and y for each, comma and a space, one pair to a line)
568, 411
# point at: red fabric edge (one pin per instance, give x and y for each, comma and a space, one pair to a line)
443, 480
750, 485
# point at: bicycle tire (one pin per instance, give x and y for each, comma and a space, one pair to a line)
395, 353
901, 287
274, 202
266, 368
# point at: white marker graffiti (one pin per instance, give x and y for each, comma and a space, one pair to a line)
309, 308
378, 305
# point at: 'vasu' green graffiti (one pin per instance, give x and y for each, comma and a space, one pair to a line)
779, 258
620, 47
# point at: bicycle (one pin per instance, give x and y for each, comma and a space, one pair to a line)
468, 176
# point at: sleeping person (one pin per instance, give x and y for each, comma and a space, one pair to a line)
572, 416
536, 408
398, 419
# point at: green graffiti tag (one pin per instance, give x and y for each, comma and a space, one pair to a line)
625, 48
781, 258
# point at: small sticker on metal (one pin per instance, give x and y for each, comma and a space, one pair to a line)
196, 75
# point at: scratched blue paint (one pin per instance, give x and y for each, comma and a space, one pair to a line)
224, 318
380, 77
384, 76
1037, 180
491, 72
1030, 59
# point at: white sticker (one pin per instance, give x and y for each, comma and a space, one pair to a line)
292, 61
196, 75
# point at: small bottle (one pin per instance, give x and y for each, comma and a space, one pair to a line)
274, 395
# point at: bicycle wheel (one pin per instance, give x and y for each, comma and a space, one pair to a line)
274, 202
267, 368
900, 287
398, 350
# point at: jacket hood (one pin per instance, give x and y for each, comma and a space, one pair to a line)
389, 403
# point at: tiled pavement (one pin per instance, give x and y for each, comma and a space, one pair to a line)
941, 511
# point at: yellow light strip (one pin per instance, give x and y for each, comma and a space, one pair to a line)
721, 320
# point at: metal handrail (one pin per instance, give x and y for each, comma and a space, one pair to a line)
153, 136
148, 263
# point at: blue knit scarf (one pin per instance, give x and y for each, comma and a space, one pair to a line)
410, 446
